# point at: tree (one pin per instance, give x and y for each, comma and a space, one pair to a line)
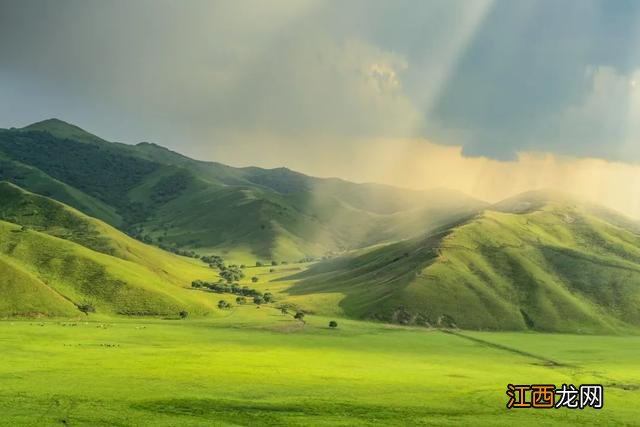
241, 300
274, 263
86, 308
232, 274
299, 316
183, 314
214, 261
284, 310
222, 304
333, 324
268, 297
254, 279
258, 264
258, 300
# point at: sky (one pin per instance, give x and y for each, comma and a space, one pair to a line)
486, 97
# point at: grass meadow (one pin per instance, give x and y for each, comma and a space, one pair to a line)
259, 367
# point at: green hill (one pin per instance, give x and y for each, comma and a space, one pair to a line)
247, 214
558, 265
54, 259
63, 130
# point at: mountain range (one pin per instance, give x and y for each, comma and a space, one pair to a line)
89, 223
167, 199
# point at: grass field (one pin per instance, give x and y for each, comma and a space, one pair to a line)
259, 367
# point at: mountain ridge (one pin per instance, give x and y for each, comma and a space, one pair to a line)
140, 188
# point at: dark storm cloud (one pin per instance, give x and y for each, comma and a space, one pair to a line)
215, 78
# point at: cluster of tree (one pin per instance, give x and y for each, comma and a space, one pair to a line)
312, 259
223, 305
263, 299
225, 288
232, 273
214, 261
273, 263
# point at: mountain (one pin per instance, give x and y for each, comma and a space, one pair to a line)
540, 261
54, 260
63, 130
246, 214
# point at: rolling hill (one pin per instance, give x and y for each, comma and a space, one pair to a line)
247, 214
54, 260
539, 261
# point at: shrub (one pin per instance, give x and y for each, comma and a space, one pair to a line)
86, 308
183, 314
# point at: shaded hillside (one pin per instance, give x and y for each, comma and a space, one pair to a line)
169, 200
556, 267
53, 260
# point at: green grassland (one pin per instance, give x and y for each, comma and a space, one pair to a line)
258, 367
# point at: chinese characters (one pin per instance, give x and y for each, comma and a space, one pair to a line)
548, 396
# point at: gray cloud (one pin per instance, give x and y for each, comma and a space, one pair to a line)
232, 81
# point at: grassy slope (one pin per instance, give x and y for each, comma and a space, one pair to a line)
23, 293
80, 275
39, 182
559, 268
85, 260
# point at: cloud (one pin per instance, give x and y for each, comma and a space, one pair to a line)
606, 123
418, 94
421, 164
